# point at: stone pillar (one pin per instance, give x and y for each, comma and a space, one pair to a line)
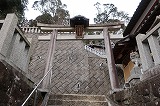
136, 70
110, 61
155, 48
6, 33
144, 51
51, 50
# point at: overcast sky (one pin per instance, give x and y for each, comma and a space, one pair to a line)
86, 7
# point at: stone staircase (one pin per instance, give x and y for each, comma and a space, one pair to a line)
77, 100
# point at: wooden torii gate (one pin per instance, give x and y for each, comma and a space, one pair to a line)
56, 29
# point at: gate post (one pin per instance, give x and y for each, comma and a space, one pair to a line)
51, 51
110, 61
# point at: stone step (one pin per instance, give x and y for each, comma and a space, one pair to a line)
77, 100
78, 97
76, 103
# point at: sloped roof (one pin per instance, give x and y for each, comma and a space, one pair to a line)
137, 14
147, 21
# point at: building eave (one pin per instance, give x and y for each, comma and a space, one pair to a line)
143, 13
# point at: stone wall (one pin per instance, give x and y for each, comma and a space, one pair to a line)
75, 70
145, 93
14, 87
18, 52
38, 53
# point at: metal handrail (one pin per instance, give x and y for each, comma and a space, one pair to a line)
99, 53
36, 86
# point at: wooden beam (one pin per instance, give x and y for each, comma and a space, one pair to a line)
91, 25
152, 31
22, 35
70, 29
143, 16
86, 37
156, 21
49, 61
110, 61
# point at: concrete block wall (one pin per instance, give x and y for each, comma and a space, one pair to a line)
37, 56
38, 61
13, 45
99, 76
75, 70
18, 52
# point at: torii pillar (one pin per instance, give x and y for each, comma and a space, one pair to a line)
110, 61
51, 50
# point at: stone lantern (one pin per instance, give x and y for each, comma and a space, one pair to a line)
79, 23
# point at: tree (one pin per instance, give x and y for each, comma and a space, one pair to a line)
109, 13
13, 6
53, 7
45, 18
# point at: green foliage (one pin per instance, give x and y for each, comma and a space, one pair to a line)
13, 6
109, 13
45, 18
53, 7
32, 23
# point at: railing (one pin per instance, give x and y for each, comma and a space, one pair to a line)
97, 52
14, 46
35, 89
38, 30
149, 47
31, 29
